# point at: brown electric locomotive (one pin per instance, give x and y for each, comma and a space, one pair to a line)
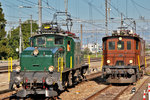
123, 57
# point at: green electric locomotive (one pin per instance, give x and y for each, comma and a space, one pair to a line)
52, 62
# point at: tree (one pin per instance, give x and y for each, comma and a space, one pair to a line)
14, 40
4, 50
2, 24
87, 51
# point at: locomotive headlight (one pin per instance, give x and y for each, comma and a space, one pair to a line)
120, 38
35, 52
108, 61
18, 69
51, 68
130, 61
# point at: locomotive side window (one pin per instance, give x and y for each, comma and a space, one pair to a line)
41, 40
105, 45
68, 46
137, 45
128, 45
111, 45
120, 45
58, 40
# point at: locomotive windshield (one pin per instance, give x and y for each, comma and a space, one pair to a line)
120, 45
58, 40
41, 41
128, 45
112, 45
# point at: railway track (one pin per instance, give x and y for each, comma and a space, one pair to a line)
6, 94
109, 93
139, 88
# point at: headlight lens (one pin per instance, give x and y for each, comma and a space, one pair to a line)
18, 69
35, 52
130, 61
51, 68
108, 61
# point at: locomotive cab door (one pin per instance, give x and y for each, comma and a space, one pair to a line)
69, 53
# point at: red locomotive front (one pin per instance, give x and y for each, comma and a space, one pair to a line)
124, 58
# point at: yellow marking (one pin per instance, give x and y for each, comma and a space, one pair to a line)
62, 64
9, 67
46, 27
101, 63
145, 62
139, 62
61, 69
11, 63
58, 63
71, 62
89, 60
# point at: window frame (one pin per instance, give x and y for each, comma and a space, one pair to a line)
137, 45
122, 46
109, 45
40, 44
59, 37
130, 45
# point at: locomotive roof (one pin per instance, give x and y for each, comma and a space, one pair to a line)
129, 36
74, 37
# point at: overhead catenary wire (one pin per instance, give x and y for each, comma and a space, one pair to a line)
136, 8
94, 7
141, 5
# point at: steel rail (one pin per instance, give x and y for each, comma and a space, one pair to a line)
120, 93
97, 93
139, 88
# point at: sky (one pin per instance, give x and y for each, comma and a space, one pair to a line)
83, 10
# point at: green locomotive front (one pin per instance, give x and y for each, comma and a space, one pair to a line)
52, 62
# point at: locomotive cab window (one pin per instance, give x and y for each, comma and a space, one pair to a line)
120, 45
58, 40
111, 45
41, 41
137, 45
128, 45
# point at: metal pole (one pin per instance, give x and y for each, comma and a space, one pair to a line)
81, 35
31, 25
106, 17
109, 9
121, 21
66, 6
20, 40
96, 44
40, 14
